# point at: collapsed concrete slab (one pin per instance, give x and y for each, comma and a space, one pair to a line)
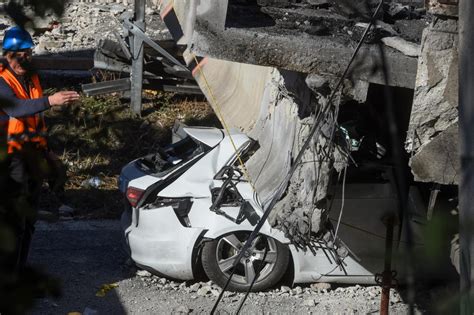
299, 39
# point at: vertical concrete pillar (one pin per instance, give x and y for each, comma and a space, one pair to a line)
466, 131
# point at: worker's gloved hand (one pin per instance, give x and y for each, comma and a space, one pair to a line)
62, 98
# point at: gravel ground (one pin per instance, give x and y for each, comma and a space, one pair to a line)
86, 255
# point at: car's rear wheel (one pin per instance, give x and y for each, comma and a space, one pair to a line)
266, 258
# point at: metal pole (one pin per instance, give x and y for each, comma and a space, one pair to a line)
466, 134
137, 61
387, 273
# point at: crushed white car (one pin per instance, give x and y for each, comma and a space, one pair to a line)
190, 202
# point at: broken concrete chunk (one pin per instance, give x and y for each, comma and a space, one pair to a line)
285, 288
309, 302
320, 286
437, 161
182, 309
143, 273
318, 84
203, 291
405, 47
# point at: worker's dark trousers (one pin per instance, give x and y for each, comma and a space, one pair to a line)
26, 174
24, 191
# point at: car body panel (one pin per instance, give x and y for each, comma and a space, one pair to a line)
309, 267
129, 172
160, 242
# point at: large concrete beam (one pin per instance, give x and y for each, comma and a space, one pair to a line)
306, 54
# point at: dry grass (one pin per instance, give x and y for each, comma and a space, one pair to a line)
97, 136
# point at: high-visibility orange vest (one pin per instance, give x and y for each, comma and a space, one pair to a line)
31, 128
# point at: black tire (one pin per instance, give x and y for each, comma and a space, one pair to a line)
218, 256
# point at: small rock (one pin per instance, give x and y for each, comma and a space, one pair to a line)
194, 287
215, 292
297, 291
183, 309
66, 210
203, 291
320, 286
407, 48
162, 281
229, 294
309, 302
143, 273
285, 289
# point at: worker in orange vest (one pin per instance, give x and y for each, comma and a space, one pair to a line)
28, 156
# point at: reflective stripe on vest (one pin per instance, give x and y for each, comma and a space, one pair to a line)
29, 128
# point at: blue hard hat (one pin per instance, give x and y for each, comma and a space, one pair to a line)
16, 38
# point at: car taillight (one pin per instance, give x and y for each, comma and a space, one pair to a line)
134, 195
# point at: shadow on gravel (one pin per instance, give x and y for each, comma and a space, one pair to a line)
85, 255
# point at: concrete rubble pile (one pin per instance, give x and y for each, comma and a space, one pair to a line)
308, 296
83, 25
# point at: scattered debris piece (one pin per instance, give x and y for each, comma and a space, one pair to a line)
90, 311
93, 182
183, 309
320, 286
105, 288
144, 274
404, 46
309, 302
66, 210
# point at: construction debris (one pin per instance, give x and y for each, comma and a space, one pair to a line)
402, 45
82, 26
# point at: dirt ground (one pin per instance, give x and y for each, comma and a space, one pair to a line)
96, 137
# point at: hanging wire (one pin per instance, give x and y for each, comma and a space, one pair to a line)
342, 202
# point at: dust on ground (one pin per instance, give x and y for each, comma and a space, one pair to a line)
97, 136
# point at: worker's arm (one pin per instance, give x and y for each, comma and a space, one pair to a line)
16, 107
